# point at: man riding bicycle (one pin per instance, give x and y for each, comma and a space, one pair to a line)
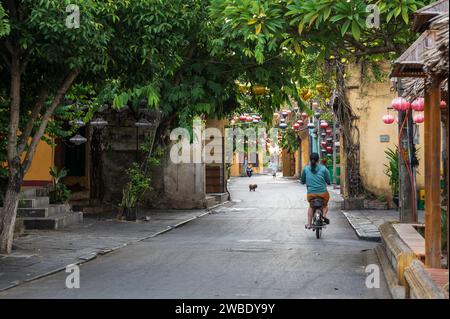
316, 177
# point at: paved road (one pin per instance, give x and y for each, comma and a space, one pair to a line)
254, 248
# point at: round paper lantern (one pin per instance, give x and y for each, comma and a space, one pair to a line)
243, 118
284, 113
443, 104
300, 122
329, 149
304, 116
323, 124
249, 119
400, 104
328, 131
388, 119
418, 104
283, 126
323, 143
255, 121
296, 126
418, 118
310, 125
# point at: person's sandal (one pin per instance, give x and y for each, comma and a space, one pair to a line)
308, 226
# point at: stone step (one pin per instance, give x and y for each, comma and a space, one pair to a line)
33, 192
50, 210
34, 202
56, 222
210, 201
220, 197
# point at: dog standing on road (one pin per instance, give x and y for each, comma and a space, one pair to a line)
252, 187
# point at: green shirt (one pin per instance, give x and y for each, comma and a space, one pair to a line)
316, 182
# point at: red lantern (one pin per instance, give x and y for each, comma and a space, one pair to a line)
243, 118
257, 117
443, 104
324, 144
324, 161
400, 104
328, 131
419, 118
388, 119
323, 124
329, 149
249, 119
296, 126
300, 122
418, 104
288, 112
304, 116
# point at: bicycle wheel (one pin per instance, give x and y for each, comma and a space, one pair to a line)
318, 232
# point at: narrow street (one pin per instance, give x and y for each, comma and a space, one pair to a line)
254, 247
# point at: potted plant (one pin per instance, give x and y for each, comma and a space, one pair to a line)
138, 184
59, 193
391, 171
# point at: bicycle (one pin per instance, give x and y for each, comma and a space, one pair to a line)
318, 222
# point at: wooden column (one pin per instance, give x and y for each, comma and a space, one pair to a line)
432, 177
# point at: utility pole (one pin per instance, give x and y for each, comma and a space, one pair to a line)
407, 208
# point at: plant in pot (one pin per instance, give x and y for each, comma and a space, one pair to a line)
133, 191
391, 171
59, 193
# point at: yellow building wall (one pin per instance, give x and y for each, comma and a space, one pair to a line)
369, 102
41, 164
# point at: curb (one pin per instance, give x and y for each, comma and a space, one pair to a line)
358, 231
83, 260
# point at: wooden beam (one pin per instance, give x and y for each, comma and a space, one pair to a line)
432, 176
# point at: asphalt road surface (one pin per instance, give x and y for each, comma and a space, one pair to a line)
255, 247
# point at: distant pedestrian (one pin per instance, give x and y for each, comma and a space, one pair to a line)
249, 170
274, 168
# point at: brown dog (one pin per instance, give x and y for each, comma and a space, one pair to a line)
252, 187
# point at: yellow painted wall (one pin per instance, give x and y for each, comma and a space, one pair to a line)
40, 166
369, 102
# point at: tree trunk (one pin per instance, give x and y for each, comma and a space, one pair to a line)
8, 215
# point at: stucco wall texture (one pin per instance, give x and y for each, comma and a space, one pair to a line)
369, 101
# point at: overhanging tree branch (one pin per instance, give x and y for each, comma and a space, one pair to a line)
40, 132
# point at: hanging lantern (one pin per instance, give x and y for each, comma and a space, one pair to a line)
324, 161
99, 123
77, 123
243, 118
388, 119
310, 125
323, 134
296, 126
142, 123
418, 104
329, 131
258, 117
329, 149
282, 120
323, 150
283, 126
300, 122
284, 113
400, 104
315, 104
78, 139
418, 118
249, 119
304, 116
324, 144
255, 121
289, 112
317, 115
329, 139
323, 124
443, 104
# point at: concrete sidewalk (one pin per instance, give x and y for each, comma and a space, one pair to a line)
40, 253
366, 222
